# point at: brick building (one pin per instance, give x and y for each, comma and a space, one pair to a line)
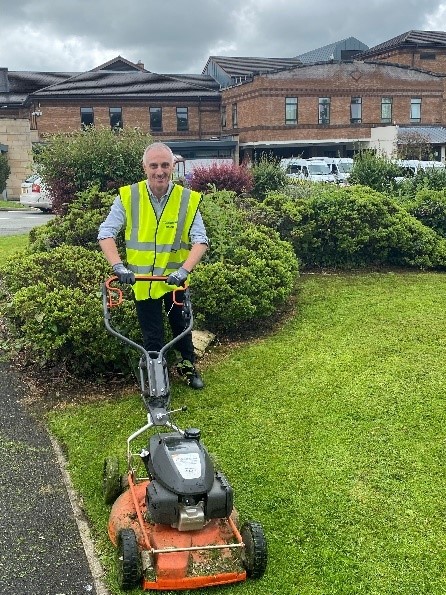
243, 106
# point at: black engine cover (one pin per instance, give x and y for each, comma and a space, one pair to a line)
182, 465
183, 475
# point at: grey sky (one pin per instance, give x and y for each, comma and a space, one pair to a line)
179, 36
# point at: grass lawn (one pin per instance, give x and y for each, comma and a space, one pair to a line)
11, 204
332, 432
11, 244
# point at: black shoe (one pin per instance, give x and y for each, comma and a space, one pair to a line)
189, 372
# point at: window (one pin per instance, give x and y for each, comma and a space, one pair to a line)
115, 117
415, 109
182, 118
386, 110
156, 119
290, 110
427, 56
324, 110
234, 115
87, 117
223, 117
356, 110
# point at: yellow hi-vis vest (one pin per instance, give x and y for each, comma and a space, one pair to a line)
157, 247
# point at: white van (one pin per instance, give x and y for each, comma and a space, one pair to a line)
340, 167
305, 169
410, 167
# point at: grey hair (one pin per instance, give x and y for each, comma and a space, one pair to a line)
157, 145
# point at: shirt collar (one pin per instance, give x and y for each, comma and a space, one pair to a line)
153, 197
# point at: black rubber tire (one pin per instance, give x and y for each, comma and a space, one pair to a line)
255, 552
111, 480
128, 560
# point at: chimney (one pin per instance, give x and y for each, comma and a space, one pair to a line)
140, 64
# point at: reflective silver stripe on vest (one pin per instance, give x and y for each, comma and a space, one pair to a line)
185, 196
133, 243
135, 215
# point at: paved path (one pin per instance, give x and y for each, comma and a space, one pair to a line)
41, 549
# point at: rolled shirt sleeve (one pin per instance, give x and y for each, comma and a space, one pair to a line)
114, 221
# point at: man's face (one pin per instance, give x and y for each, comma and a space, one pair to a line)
158, 166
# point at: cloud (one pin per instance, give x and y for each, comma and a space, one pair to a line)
178, 37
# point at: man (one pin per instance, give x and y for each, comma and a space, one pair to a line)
165, 236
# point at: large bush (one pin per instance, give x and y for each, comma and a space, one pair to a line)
53, 306
101, 157
249, 272
355, 226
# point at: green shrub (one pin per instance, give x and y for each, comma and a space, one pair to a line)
221, 176
79, 227
249, 273
278, 210
5, 170
376, 171
268, 176
429, 207
53, 307
356, 226
75, 161
430, 179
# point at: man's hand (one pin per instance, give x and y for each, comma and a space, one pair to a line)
124, 274
178, 278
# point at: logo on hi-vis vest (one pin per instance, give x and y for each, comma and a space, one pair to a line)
171, 224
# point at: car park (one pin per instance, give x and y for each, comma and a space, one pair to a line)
34, 194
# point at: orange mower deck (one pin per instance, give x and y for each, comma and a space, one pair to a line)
178, 560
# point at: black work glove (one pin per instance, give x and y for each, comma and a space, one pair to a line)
124, 274
178, 278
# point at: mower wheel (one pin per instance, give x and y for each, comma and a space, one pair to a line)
255, 553
111, 480
129, 560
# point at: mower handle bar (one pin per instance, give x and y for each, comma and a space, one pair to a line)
108, 303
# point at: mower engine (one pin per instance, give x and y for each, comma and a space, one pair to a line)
185, 491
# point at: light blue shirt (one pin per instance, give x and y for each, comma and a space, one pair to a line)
116, 219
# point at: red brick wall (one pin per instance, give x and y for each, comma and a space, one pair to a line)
412, 58
204, 120
261, 103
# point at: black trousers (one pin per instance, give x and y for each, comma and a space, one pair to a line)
150, 317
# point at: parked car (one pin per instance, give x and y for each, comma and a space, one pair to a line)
34, 194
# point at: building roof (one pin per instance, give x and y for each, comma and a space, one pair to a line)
339, 50
432, 134
242, 66
410, 39
15, 86
104, 83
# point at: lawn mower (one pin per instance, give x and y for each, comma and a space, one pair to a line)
172, 518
